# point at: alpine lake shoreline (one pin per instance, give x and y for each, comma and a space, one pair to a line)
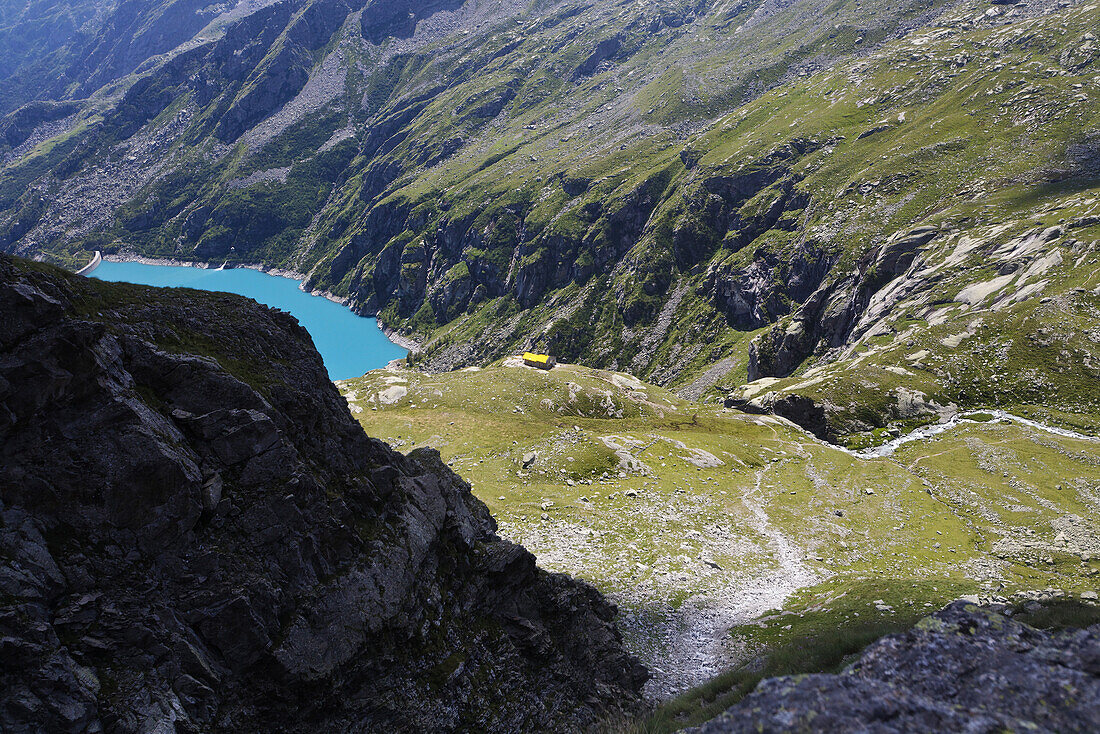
391, 334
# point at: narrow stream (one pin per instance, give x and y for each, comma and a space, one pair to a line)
920, 434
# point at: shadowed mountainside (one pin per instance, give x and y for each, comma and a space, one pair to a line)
196, 534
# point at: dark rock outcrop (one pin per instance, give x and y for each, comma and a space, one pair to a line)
964, 669
195, 535
604, 50
798, 409
830, 314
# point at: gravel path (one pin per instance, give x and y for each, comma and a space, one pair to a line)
687, 646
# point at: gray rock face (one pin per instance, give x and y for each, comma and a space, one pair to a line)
795, 408
964, 669
828, 316
195, 535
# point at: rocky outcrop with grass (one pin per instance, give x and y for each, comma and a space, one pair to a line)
966, 668
196, 536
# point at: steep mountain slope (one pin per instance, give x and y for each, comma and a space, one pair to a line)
195, 536
69, 49
33, 36
613, 182
330, 111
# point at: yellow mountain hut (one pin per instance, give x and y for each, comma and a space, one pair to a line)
541, 361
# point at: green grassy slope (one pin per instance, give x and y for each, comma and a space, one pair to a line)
696, 518
972, 127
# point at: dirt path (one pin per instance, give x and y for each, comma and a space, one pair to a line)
692, 644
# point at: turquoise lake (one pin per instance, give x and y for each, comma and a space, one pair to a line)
349, 344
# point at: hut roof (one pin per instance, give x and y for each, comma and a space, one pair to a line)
540, 358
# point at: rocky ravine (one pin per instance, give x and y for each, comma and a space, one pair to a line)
195, 535
964, 669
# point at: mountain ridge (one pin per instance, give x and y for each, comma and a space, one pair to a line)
593, 179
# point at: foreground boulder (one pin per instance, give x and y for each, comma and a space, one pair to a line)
195, 535
964, 669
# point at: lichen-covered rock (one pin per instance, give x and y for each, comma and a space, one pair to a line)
966, 668
195, 535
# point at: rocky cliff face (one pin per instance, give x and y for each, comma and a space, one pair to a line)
195, 535
829, 316
963, 669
